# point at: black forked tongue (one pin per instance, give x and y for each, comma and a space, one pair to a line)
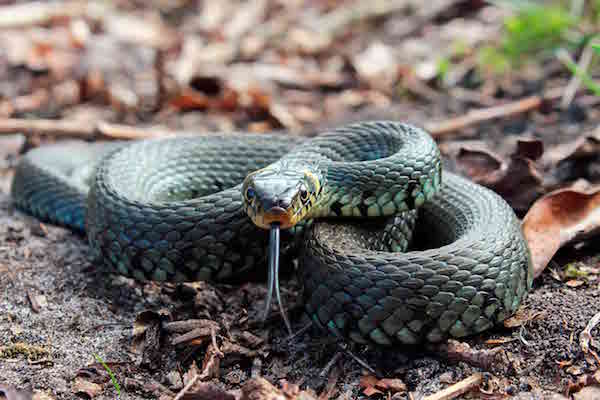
274, 276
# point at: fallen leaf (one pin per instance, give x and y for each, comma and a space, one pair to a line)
147, 332
478, 163
393, 385
11, 393
41, 396
573, 283
86, 388
261, 389
559, 218
530, 148
564, 363
368, 383
587, 145
207, 391
574, 370
516, 179
522, 317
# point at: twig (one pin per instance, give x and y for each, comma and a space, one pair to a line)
187, 387
77, 129
206, 371
585, 337
475, 117
300, 331
359, 360
457, 389
213, 336
328, 366
564, 57
487, 359
575, 82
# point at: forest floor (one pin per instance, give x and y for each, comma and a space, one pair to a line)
262, 66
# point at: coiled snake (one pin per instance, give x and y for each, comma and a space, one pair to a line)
176, 209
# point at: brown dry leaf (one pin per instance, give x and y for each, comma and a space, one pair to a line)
532, 149
559, 218
393, 385
522, 317
11, 393
368, 383
86, 388
40, 396
573, 283
261, 389
584, 146
207, 391
517, 179
146, 340
478, 163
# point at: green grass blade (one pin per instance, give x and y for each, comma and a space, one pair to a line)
110, 373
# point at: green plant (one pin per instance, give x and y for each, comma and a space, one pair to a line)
533, 29
110, 373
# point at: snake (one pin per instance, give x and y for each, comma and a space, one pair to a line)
391, 248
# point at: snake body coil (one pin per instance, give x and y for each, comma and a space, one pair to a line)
175, 209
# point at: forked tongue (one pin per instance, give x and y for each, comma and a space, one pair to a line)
274, 276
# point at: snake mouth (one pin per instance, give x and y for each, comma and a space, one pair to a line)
284, 218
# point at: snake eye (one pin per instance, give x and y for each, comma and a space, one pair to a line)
250, 194
303, 194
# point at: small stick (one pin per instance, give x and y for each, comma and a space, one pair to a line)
453, 391
575, 82
328, 366
77, 129
356, 358
474, 117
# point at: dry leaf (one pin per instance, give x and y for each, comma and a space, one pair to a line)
478, 163
86, 388
207, 391
584, 146
517, 179
368, 383
558, 218
393, 385
530, 148
146, 341
11, 393
261, 389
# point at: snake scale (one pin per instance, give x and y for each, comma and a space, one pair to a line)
199, 208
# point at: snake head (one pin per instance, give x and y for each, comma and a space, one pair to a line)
280, 194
